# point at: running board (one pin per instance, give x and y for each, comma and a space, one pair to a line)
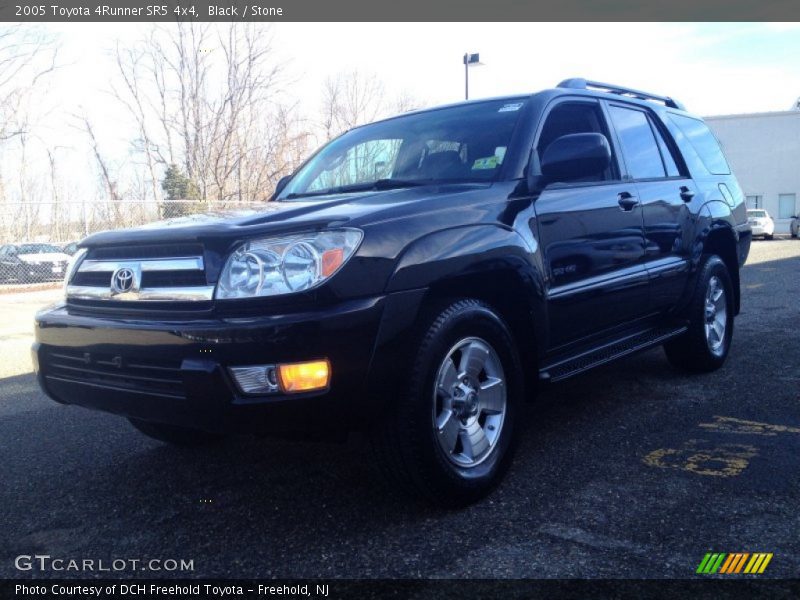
573, 365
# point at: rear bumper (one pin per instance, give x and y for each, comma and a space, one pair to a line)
176, 372
762, 230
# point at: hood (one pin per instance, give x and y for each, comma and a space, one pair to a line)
277, 217
51, 257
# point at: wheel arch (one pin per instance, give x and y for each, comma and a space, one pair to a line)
721, 240
515, 302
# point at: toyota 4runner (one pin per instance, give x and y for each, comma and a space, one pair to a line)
415, 279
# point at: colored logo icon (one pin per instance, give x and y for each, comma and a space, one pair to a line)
731, 564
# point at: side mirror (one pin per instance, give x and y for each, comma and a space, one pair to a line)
575, 156
281, 184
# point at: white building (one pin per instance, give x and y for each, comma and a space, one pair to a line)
764, 152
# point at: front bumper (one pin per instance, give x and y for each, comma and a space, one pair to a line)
176, 371
42, 270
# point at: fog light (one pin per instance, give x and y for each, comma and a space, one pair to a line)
304, 377
256, 379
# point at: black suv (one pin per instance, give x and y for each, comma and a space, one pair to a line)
415, 279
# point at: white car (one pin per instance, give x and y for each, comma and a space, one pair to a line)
27, 263
761, 223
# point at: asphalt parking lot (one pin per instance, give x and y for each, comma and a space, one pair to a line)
632, 470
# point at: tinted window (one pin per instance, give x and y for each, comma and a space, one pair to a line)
704, 143
638, 143
669, 160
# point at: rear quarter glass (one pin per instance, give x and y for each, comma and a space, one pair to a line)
698, 145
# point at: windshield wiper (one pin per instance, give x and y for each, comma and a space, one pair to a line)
380, 184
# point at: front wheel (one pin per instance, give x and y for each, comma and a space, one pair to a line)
449, 438
175, 435
705, 346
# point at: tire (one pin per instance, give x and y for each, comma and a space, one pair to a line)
768, 237
704, 349
447, 439
174, 434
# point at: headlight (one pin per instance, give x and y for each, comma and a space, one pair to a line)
72, 266
276, 266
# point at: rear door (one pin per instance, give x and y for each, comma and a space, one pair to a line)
591, 237
664, 190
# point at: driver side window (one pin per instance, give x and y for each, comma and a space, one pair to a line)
576, 117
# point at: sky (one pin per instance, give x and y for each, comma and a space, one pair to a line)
712, 68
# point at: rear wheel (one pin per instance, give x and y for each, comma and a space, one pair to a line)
174, 434
449, 438
704, 347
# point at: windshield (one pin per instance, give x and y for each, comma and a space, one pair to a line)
457, 144
757, 213
37, 249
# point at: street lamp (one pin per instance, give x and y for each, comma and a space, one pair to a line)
470, 60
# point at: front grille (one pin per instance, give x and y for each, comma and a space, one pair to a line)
92, 279
168, 273
173, 278
142, 375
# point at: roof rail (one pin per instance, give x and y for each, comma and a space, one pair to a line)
578, 83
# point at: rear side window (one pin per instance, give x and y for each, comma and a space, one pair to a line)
703, 142
639, 145
669, 160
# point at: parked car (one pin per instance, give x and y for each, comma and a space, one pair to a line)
761, 223
794, 226
32, 262
417, 279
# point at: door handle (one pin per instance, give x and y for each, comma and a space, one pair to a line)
627, 201
686, 194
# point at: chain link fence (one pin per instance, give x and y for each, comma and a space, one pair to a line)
37, 240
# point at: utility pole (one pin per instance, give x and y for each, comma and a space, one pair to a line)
470, 60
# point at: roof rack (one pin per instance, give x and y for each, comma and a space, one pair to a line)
578, 83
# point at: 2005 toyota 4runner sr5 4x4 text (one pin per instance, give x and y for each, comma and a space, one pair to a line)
414, 280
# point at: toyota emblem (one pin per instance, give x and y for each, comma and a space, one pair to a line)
122, 280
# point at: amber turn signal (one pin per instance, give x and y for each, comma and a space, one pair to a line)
305, 376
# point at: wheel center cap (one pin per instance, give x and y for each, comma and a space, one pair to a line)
472, 403
465, 400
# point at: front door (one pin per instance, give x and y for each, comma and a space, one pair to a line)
591, 237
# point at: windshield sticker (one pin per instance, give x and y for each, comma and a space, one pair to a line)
489, 162
510, 107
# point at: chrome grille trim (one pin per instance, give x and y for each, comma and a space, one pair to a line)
194, 263
170, 291
185, 294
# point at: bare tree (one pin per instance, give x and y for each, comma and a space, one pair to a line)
26, 56
109, 181
207, 97
349, 99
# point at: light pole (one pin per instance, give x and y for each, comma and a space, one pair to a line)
470, 60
